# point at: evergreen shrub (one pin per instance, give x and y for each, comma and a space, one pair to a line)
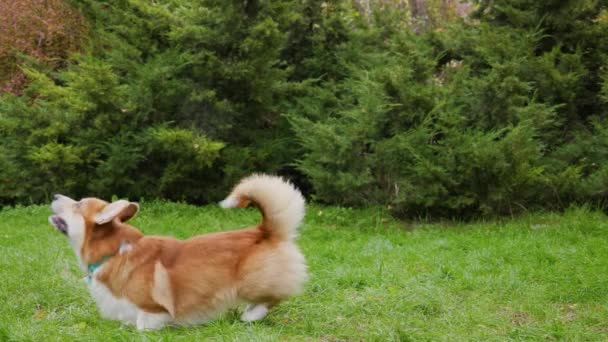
498, 113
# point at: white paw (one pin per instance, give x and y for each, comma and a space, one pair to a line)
254, 312
151, 321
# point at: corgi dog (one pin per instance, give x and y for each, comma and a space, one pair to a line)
154, 281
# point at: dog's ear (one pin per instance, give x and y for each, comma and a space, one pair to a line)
121, 209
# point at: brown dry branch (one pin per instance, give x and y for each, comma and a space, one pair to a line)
48, 30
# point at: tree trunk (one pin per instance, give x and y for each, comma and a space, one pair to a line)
420, 18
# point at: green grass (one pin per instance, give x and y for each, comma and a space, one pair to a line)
538, 277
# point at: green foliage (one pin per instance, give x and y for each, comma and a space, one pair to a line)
494, 114
480, 117
143, 110
573, 38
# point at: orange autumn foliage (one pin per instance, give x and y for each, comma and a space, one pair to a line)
46, 29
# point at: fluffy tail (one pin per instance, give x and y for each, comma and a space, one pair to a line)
281, 204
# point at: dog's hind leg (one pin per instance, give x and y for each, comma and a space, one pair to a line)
151, 321
254, 312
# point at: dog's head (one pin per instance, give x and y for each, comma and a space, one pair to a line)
94, 227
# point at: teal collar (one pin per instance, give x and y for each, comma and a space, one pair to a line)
92, 267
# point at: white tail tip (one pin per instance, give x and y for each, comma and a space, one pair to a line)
229, 202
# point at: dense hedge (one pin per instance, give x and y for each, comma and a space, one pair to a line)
502, 112
491, 116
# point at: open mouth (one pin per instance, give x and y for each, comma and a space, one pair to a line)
59, 223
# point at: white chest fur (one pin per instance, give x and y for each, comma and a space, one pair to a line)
122, 309
109, 306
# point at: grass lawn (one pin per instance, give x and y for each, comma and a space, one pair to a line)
541, 276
